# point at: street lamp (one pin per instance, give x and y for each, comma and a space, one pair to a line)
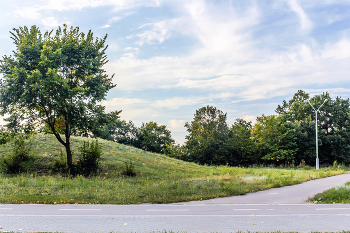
316, 123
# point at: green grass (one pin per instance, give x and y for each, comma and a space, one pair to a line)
159, 179
339, 194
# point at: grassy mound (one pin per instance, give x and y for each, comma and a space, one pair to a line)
159, 179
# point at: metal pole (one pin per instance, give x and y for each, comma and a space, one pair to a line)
316, 123
317, 160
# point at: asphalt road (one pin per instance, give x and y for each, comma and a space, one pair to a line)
282, 209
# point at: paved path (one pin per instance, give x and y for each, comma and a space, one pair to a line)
262, 211
296, 194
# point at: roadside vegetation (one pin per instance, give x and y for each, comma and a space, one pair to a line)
339, 194
158, 179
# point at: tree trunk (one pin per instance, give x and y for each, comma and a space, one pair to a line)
69, 154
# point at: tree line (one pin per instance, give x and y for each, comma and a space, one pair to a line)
282, 139
286, 138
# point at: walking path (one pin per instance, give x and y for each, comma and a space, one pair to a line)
295, 194
281, 209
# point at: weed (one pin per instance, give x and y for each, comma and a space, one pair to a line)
129, 169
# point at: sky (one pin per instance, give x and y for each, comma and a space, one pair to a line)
172, 57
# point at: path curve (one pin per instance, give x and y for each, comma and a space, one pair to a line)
295, 194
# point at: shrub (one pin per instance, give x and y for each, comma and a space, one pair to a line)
20, 159
59, 164
129, 169
89, 158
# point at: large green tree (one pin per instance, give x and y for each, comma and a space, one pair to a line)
242, 143
54, 79
275, 139
208, 139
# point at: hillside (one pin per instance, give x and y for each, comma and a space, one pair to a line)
159, 179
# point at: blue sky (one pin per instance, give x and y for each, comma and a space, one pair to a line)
171, 57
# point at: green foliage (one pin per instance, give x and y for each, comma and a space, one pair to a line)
208, 139
176, 151
55, 80
20, 159
243, 146
59, 164
122, 132
5, 136
275, 139
89, 158
155, 137
129, 169
333, 127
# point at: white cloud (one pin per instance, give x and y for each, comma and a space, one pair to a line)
52, 22
131, 48
305, 22
28, 12
249, 118
119, 102
159, 31
115, 19
176, 125
72, 5
177, 102
338, 50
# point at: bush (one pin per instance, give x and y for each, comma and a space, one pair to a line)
20, 159
59, 164
129, 169
89, 158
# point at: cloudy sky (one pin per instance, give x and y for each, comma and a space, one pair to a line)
171, 57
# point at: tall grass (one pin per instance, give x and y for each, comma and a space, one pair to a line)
159, 179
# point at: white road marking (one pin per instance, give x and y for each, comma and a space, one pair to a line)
273, 193
80, 209
6, 208
245, 209
178, 215
293, 204
167, 210
333, 209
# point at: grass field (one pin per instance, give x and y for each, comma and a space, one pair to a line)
159, 179
339, 194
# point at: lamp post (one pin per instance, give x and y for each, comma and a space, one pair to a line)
316, 123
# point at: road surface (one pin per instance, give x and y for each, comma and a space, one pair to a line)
282, 209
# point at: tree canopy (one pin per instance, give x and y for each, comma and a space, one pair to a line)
55, 80
207, 141
154, 137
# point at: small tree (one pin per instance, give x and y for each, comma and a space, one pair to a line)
54, 80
